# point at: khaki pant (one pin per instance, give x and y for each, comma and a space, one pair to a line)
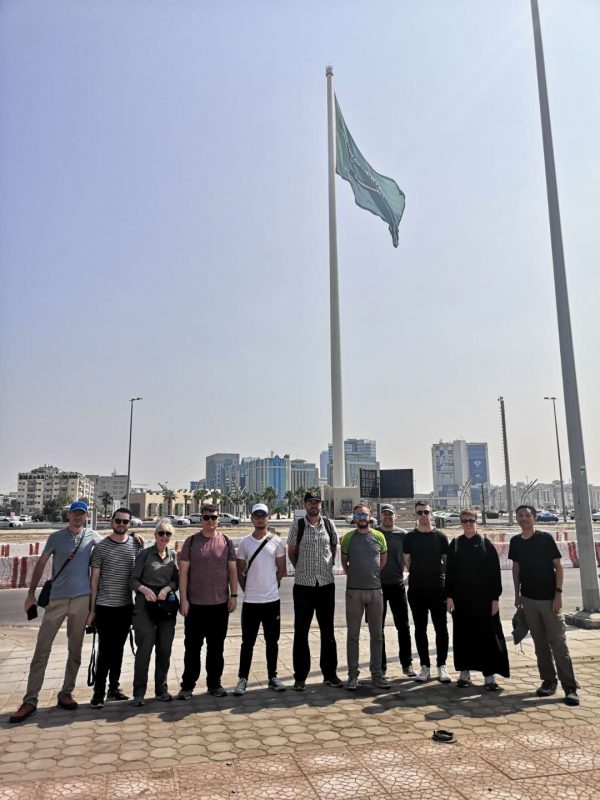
549, 636
357, 602
75, 611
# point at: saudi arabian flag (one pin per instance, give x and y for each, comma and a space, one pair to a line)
377, 193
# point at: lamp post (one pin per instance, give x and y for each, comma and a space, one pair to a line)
132, 401
560, 473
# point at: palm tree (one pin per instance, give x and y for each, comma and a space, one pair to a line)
200, 496
107, 500
290, 497
186, 503
300, 492
226, 501
269, 495
215, 496
280, 509
168, 496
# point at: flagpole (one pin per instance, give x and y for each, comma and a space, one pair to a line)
334, 300
581, 499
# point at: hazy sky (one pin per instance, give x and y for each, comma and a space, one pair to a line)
163, 230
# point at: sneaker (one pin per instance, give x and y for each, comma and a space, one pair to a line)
276, 685
67, 702
424, 675
464, 679
443, 676
217, 691
351, 684
138, 701
185, 694
164, 696
379, 682
571, 698
490, 683
409, 671
546, 689
299, 686
334, 681
115, 694
25, 710
97, 701
240, 689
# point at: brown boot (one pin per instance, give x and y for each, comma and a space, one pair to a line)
66, 701
25, 710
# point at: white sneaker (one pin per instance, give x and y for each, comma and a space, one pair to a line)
424, 675
240, 689
443, 676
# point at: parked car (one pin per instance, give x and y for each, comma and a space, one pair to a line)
596, 516
13, 522
546, 516
228, 519
25, 518
492, 514
177, 521
136, 522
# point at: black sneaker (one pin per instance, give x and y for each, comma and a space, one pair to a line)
217, 691
547, 689
571, 698
97, 701
115, 694
299, 686
334, 681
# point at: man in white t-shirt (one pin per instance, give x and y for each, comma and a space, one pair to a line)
261, 566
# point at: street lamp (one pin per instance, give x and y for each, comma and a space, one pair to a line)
132, 401
560, 474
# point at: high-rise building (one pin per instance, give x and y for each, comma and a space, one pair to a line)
454, 464
358, 454
223, 471
275, 471
115, 485
40, 485
304, 474
479, 472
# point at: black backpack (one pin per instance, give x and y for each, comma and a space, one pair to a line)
302, 526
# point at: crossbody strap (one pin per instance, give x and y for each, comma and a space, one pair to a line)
265, 541
70, 558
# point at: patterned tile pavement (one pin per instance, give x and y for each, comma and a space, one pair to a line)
323, 743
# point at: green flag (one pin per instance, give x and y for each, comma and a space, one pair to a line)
377, 193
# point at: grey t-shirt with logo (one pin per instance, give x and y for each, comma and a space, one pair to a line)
364, 551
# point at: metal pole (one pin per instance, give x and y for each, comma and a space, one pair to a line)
132, 401
509, 507
590, 590
334, 300
560, 472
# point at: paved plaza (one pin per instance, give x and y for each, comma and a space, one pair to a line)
323, 743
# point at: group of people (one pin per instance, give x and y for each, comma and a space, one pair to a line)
113, 584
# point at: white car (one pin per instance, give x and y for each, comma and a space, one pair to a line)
228, 519
13, 522
596, 516
136, 522
178, 521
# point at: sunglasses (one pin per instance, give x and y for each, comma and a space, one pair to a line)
122, 521
468, 521
259, 515
210, 517
423, 511
362, 515
164, 534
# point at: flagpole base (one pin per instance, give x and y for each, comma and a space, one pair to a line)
588, 620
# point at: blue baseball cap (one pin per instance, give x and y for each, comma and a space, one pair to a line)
79, 505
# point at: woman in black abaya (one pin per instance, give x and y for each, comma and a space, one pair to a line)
473, 589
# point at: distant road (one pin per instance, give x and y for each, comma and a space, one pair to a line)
11, 600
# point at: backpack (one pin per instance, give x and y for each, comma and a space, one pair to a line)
302, 526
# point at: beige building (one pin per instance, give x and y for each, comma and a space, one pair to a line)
152, 505
40, 485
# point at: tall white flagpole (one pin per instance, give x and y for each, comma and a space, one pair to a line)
583, 519
334, 299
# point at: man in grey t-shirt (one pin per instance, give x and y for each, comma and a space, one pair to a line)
364, 555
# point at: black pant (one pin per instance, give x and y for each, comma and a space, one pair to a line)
253, 614
151, 634
210, 623
309, 600
422, 602
113, 624
395, 595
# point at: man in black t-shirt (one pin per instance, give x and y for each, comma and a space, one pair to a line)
425, 550
538, 579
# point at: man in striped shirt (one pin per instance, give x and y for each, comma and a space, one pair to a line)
111, 604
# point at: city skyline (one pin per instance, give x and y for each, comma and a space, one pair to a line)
163, 215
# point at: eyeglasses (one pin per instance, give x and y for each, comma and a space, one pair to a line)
468, 521
423, 511
164, 534
122, 521
259, 515
210, 517
362, 515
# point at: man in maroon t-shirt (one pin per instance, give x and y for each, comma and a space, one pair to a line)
208, 593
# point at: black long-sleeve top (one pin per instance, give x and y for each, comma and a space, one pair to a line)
473, 569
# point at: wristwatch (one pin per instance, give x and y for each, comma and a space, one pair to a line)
233, 595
